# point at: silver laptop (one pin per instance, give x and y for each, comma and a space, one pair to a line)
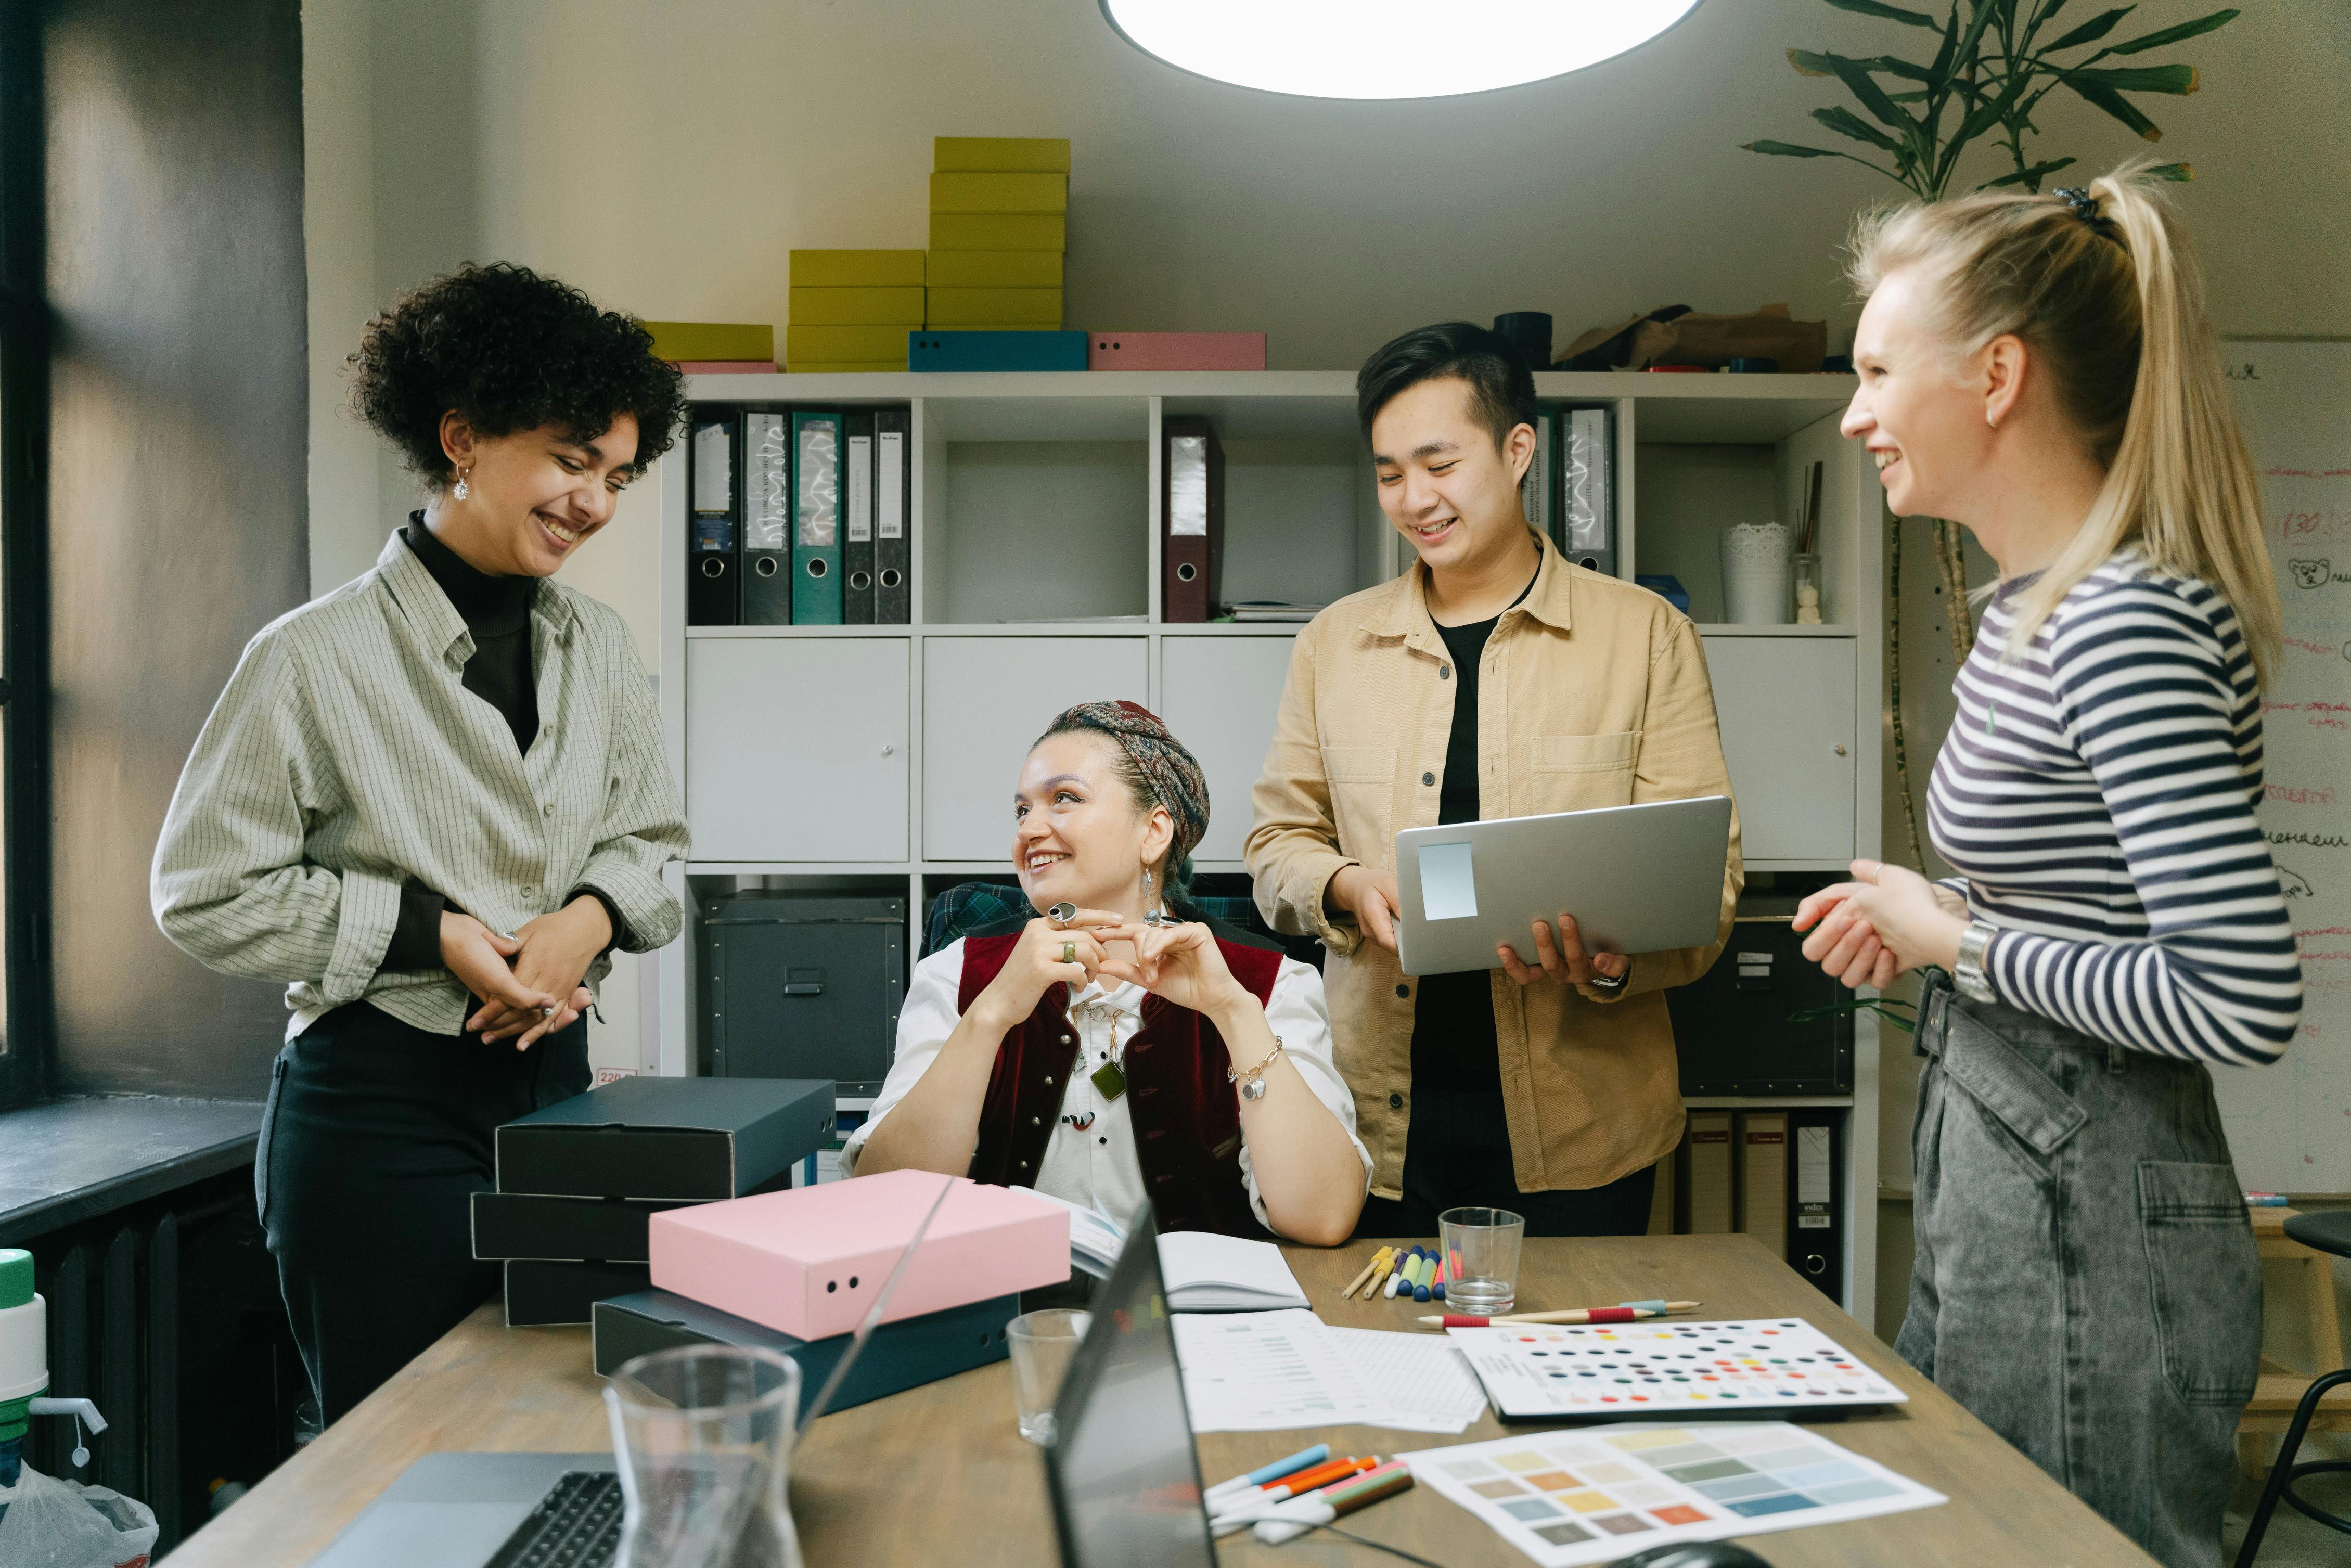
470, 1510
1638, 879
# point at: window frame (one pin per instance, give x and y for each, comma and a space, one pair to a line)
28, 1061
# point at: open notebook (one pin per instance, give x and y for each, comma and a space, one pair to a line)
1205, 1273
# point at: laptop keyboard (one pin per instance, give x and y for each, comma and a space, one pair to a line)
576, 1525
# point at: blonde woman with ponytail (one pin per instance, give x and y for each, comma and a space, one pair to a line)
2040, 369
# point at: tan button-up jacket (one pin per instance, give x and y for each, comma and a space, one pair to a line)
1592, 692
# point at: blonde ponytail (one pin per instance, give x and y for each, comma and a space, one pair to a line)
2112, 299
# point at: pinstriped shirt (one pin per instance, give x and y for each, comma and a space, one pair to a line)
2098, 792
346, 757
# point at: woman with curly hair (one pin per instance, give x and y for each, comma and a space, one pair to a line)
431, 802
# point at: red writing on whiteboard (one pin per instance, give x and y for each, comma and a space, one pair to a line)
2300, 794
2307, 473
2314, 525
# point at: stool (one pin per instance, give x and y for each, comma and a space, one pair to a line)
2328, 1233
2281, 1387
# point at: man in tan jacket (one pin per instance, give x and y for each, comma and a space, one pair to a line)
1490, 679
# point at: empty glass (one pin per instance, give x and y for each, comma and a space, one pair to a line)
1043, 1343
702, 1435
1481, 1259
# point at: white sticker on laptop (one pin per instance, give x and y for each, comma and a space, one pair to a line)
1449, 882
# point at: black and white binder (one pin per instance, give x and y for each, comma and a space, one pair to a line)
857, 524
767, 519
1816, 1198
713, 563
893, 472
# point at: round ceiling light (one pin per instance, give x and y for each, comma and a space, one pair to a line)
1388, 48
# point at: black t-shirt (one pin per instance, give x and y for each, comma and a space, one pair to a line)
1453, 1044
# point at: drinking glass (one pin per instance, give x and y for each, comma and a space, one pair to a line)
702, 1435
1481, 1259
1043, 1343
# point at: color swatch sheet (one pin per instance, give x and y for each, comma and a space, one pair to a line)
1265, 1372
1549, 1370
1596, 1495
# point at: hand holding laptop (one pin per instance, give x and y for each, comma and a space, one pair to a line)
1563, 961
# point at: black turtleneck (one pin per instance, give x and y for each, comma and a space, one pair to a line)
496, 612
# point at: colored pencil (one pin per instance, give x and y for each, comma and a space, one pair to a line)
1360, 1280
1299, 1515
1575, 1315
1258, 1477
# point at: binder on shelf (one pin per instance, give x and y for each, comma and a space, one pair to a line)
1587, 484
1706, 1176
1661, 1199
857, 522
845, 307
1192, 518
1040, 154
1176, 352
1763, 1178
999, 191
856, 269
767, 520
985, 351
993, 306
1535, 487
998, 230
712, 562
1816, 1199
816, 519
893, 485
993, 269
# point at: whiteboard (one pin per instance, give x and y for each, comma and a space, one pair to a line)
2290, 1125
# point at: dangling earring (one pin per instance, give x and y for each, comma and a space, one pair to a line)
462, 489
1146, 885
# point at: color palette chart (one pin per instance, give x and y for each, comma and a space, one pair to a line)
1596, 1495
1662, 1366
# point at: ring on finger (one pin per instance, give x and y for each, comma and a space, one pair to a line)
1062, 913
1069, 952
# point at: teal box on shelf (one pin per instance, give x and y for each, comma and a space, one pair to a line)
982, 350
905, 1354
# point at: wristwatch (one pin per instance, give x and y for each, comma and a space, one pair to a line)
1968, 974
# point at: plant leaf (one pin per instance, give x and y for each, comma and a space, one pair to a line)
1845, 122
1856, 76
1904, 69
2033, 176
1809, 64
2179, 171
2177, 80
1884, 13
2113, 103
1980, 119
1919, 96
2097, 27
2162, 35
1787, 150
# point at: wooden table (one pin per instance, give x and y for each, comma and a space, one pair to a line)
939, 1473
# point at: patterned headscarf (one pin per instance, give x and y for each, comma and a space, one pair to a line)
1172, 773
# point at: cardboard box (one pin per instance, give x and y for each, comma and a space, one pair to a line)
855, 268
992, 306
810, 1261
552, 1295
1176, 352
992, 268
534, 1225
667, 1137
712, 340
998, 230
1041, 154
857, 307
901, 1355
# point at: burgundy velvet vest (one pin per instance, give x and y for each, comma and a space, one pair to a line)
1186, 1115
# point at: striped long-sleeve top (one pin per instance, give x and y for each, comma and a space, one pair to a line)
2096, 794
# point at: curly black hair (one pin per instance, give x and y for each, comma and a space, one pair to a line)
509, 351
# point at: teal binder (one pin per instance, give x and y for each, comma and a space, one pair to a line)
816, 519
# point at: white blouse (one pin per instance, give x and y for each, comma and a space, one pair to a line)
1091, 1156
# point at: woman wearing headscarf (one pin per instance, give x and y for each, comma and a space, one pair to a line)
1111, 1050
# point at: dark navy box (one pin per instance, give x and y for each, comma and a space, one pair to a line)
668, 1137
534, 1225
541, 1294
904, 1354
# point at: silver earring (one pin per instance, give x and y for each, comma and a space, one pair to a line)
462, 489
1146, 881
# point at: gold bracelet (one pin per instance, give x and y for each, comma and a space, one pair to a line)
1252, 1080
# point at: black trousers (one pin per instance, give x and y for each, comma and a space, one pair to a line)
1457, 1153
376, 1137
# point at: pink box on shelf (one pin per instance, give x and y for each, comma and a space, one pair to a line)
1176, 352
810, 1262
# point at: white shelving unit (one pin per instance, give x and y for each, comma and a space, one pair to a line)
881, 758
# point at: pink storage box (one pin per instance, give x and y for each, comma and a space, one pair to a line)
810, 1262
1176, 352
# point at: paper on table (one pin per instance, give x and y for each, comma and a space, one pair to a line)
1448, 882
1422, 1376
1263, 1371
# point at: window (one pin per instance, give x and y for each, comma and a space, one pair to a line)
25, 1031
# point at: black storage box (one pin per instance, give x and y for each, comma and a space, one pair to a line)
534, 1225
801, 986
667, 1138
551, 1294
1732, 1026
903, 1354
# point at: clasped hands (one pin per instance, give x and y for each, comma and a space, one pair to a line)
1180, 962
1885, 922
529, 982
1561, 958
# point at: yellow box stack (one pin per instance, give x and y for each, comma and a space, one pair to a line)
851, 309
998, 206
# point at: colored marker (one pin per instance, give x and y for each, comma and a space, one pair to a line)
1424, 1276
1403, 1271
1299, 1515
1436, 1286
1272, 1472
1317, 1478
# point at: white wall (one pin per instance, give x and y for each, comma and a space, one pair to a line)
665, 155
